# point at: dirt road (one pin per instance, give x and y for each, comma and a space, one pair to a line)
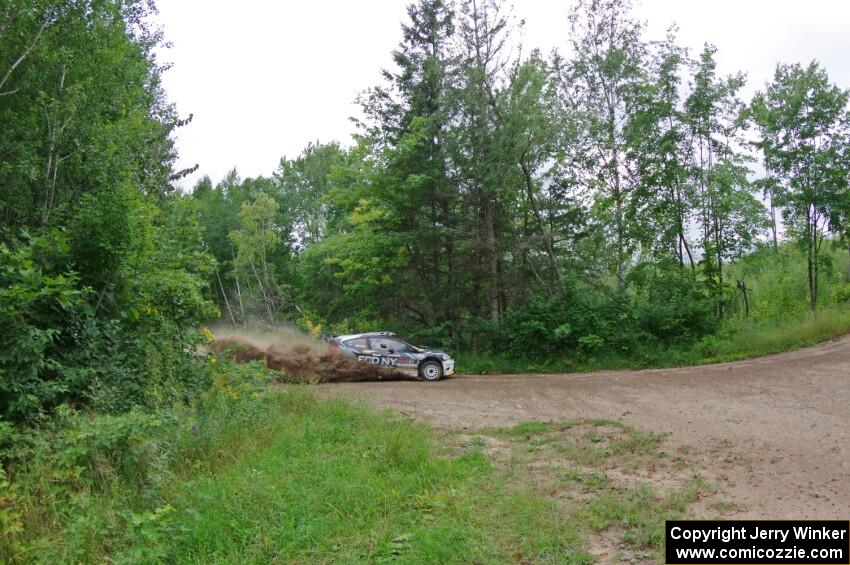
773, 432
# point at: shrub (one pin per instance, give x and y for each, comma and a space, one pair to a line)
63, 470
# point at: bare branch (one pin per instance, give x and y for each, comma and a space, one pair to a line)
24, 55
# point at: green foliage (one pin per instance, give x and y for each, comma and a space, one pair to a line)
83, 109
671, 309
36, 296
249, 474
804, 123
102, 319
640, 511
592, 207
102, 267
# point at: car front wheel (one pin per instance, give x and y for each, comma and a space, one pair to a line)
431, 370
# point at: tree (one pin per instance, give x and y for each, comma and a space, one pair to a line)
83, 107
302, 184
257, 243
530, 139
408, 133
656, 142
102, 259
803, 119
729, 216
483, 174
609, 66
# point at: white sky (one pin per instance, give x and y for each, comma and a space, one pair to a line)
264, 78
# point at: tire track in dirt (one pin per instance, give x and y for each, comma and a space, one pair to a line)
772, 432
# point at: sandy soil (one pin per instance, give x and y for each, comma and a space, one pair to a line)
773, 433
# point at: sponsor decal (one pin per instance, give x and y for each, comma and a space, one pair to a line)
375, 360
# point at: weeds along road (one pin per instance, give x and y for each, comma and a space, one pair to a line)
772, 433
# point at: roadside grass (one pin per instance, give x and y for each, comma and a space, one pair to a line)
736, 340
640, 511
295, 480
590, 441
608, 477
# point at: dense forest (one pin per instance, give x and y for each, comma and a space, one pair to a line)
602, 198
615, 197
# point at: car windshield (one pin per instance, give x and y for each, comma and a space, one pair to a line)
357, 342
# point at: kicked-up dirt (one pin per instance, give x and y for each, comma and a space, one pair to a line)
304, 362
772, 433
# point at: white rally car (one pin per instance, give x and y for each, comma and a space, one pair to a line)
388, 351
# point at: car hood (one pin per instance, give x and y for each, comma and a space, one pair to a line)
421, 349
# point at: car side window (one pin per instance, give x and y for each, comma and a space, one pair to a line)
359, 343
388, 346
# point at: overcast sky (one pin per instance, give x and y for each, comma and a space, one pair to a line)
265, 77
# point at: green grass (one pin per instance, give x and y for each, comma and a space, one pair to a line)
301, 481
590, 481
751, 340
639, 510
736, 340
603, 467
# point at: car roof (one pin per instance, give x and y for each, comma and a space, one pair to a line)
367, 334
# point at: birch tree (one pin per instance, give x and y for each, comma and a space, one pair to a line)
804, 122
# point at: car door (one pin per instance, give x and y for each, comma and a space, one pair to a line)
396, 354
391, 352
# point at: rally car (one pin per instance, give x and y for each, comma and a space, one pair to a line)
387, 350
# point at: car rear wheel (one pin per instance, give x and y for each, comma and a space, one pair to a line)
431, 370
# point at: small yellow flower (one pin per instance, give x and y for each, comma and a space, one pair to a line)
208, 335
314, 329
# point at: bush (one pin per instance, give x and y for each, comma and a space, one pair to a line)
102, 321
674, 308
64, 470
37, 294
666, 307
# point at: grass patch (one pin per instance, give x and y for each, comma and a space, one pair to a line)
589, 481
608, 476
639, 511
586, 442
528, 429
726, 507
301, 481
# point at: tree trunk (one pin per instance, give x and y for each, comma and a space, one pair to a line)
848, 264
810, 260
226, 301
718, 243
742, 285
688, 251
23, 55
266, 296
618, 203
492, 258
239, 292
773, 222
546, 235
772, 206
53, 158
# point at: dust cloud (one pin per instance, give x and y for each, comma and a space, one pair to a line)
296, 356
